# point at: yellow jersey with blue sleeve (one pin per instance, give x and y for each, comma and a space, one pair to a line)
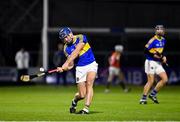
86, 55
155, 45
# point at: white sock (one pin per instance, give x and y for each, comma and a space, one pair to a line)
86, 110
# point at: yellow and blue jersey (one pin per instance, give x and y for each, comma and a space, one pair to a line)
155, 45
86, 55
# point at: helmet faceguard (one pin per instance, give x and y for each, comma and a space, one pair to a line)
64, 33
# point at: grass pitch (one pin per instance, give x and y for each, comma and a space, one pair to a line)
51, 103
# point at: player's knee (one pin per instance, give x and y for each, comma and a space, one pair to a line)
165, 80
88, 83
91, 79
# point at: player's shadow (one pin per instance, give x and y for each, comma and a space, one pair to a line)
95, 112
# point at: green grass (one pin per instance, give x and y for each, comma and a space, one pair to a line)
50, 103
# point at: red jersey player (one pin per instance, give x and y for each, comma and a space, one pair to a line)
114, 69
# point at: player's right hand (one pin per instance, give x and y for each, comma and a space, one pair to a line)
59, 69
164, 59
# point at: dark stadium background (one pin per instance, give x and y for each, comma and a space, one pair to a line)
21, 26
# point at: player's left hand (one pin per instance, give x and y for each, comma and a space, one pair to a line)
59, 69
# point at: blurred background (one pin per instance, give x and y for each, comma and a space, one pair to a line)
33, 25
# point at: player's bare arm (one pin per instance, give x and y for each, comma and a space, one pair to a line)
74, 55
70, 66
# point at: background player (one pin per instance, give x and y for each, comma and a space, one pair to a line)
115, 70
58, 59
77, 47
22, 59
153, 64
